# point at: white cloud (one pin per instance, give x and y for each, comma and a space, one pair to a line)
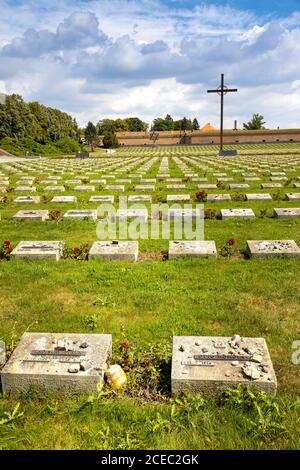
116, 57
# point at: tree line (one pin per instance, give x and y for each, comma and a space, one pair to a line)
19, 119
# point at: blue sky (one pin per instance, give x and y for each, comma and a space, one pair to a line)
111, 58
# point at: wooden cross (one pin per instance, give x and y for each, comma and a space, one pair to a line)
222, 90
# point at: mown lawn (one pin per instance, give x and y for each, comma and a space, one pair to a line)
153, 301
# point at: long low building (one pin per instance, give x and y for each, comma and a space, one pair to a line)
207, 138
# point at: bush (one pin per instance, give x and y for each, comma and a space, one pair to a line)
28, 146
110, 140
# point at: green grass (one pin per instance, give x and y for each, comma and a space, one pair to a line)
152, 301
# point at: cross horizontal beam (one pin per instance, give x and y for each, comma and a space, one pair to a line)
225, 90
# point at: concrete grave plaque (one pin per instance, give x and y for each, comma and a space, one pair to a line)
239, 186
287, 213
272, 249
240, 213
144, 187
38, 250
62, 362
271, 185
177, 214
210, 364
109, 199
218, 197
116, 250
178, 198
140, 198
29, 199
25, 189
31, 216
63, 199
80, 215
192, 249
128, 214
293, 196
115, 187
54, 189
259, 197
85, 188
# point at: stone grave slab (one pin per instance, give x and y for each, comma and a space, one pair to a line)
148, 180
293, 196
128, 214
84, 188
115, 187
259, 197
98, 181
62, 362
176, 186
31, 215
29, 199
240, 213
54, 189
81, 214
109, 199
207, 186
225, 180
38, 250
271, 185
286, 213
278, 178
25, 189
73, 182
63, 199
140, 198
144, 187
272, 249
184, 213
210, 364
239, 186
116, 250
192, 249
218, 197
178, 197
25, 182
296, 185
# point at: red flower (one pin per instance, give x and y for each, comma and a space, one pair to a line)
124, 345
76, 250
6, 243
231, 241
10, 249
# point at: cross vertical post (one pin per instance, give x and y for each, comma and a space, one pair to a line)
222, 90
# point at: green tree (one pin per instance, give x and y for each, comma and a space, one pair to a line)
121, 125
90, 133
195, 124
135, 124
105, 125
110, 140
255, 123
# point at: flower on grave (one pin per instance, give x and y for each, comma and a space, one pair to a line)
10, 249
123, 345
76, 250
6, 243
231, 241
